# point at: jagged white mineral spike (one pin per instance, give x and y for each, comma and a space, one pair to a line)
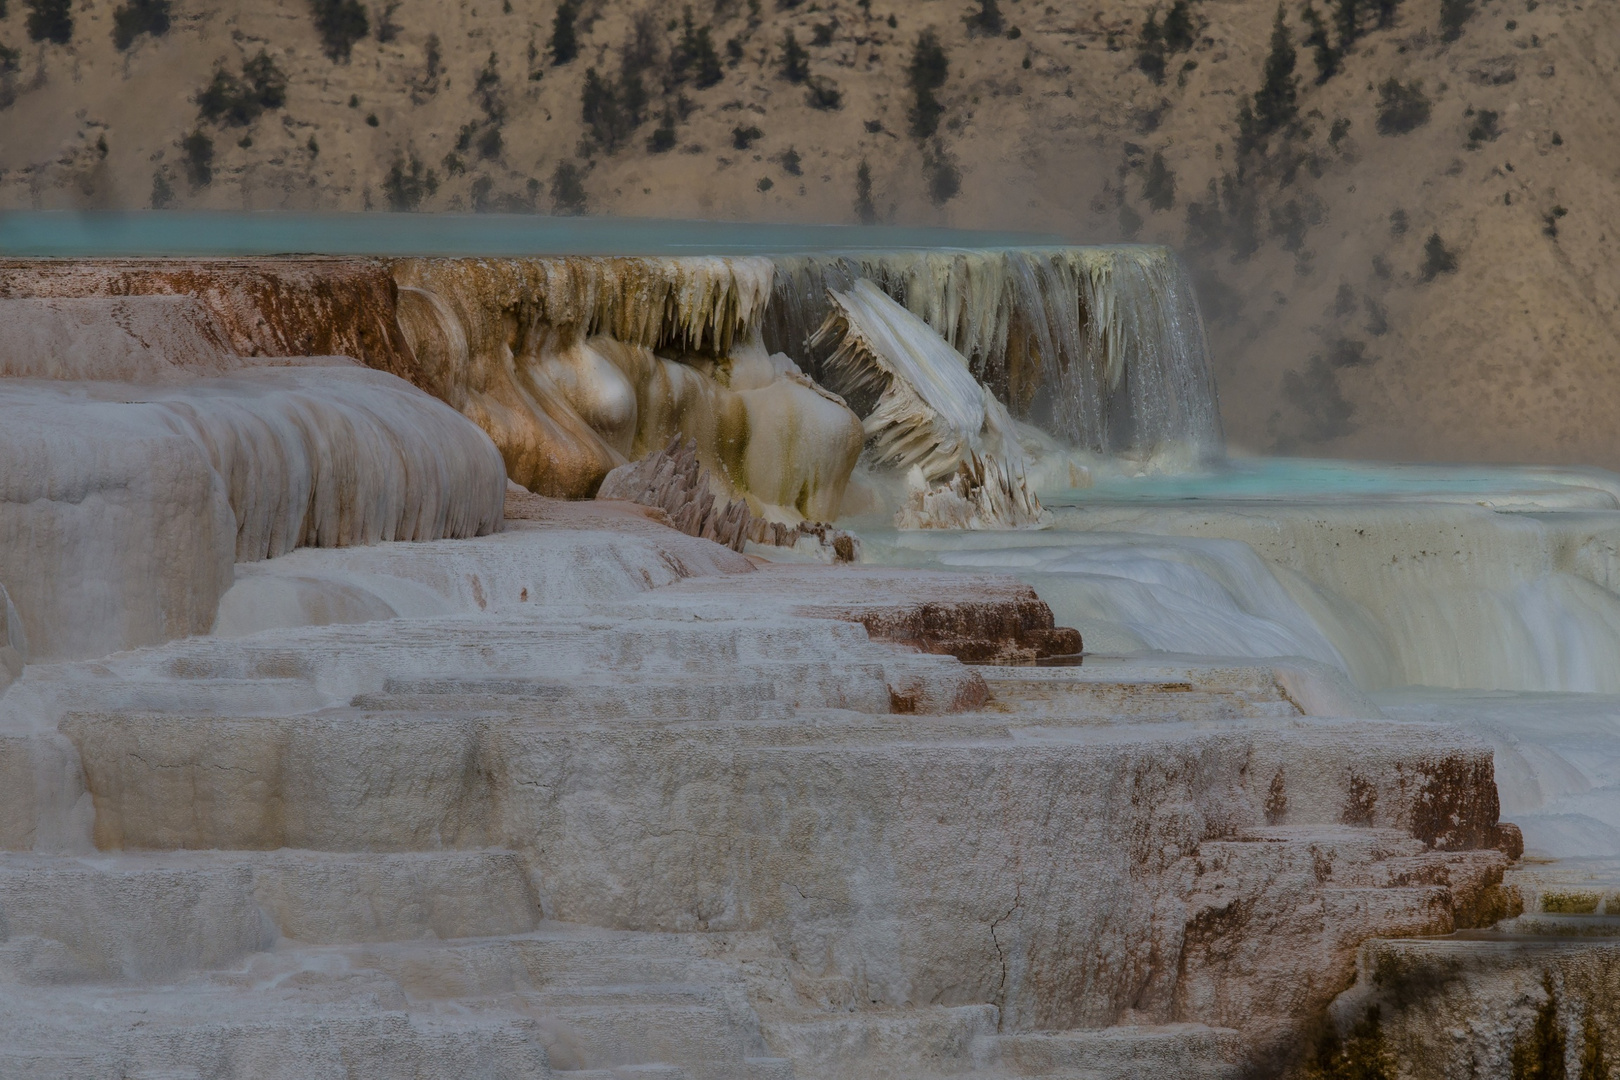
1094, 326
927, 384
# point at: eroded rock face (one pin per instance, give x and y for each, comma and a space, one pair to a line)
265, 307
140, 339
672, 481
931, 416
13, 642
1512, 1004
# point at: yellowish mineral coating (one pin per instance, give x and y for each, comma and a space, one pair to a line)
566, 363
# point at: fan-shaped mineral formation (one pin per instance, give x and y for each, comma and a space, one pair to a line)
124, 505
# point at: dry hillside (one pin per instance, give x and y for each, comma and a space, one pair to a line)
1410, 258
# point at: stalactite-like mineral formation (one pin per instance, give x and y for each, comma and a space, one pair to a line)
930, 417
1104, 346
575, 366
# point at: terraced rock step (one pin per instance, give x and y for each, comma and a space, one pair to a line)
647, 667
1077, 695
1542, 925
1126, 1053
697, 832
152, 917
1569, 886
558, 999
1499, 998
973, 617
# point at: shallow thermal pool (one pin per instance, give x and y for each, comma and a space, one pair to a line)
1487, 597
1313, 481
151, 233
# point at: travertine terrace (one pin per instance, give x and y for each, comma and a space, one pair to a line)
331, 748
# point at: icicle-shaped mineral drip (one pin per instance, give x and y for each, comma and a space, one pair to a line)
932, 411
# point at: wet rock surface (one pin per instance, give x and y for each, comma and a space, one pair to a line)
626, 797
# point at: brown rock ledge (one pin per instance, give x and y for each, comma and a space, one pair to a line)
977, 618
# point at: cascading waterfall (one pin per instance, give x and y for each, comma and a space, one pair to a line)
1102, 346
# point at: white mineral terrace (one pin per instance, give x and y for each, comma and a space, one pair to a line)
329, 748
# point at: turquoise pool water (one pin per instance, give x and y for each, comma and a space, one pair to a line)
87, 234
1296, 480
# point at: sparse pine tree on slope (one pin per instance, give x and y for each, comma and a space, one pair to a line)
50, 20
1276, 104
564, 45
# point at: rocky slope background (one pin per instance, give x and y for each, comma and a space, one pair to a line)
1402, 214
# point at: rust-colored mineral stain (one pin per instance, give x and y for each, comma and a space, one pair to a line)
267, 306
1002, 631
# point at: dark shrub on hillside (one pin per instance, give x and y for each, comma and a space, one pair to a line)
197, 155
162, 192
824, 94
1179, 33
864, 209
1437, 258
487, 89
1454, 14
663, 138
1401, 108
1159, 40
568, 189
340, 24
268, 82
944, 178
237, 102
407, 184
1150, 50
564, 43
227, 99
1276, 102
50, 20
694, 56
1159, 189
987, 20
139, 17
387, 29
612, 113
1323, 51
926, 73
1484, 129
795, 61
